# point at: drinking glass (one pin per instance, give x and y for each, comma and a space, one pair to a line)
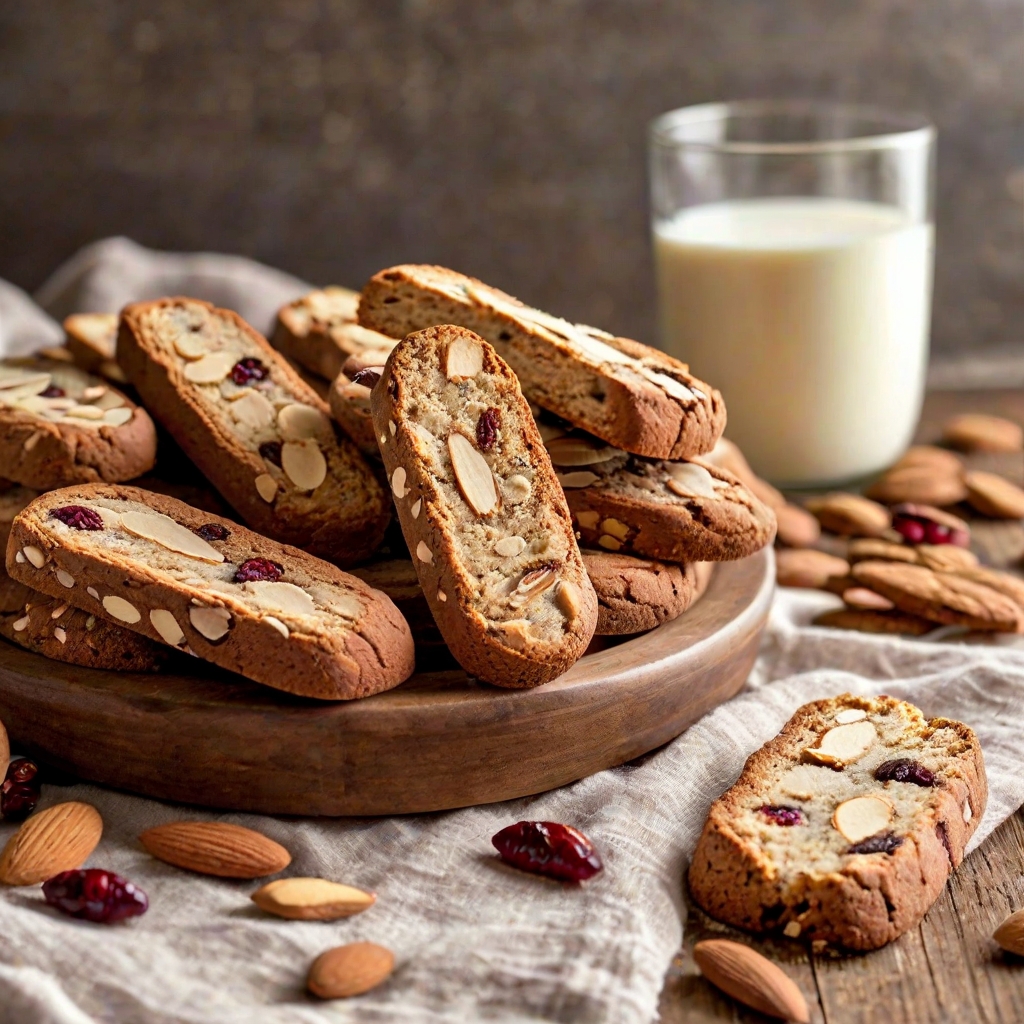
793, 246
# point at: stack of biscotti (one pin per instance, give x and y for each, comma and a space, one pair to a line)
624, 425
844, 828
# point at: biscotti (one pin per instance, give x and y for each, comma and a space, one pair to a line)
321, 330
60, 426
205, 585
253, 428
674, 511
844, 827
631, 396
481, 510
637, 594
349, 399
91, 339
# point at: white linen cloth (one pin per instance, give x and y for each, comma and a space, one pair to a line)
473, 939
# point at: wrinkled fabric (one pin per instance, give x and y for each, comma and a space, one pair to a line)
475, 940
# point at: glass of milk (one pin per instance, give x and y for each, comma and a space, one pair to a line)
793, 245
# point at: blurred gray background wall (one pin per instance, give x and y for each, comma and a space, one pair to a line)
334, 137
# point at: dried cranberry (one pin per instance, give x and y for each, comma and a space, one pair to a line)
487, 429
886, 842
78, 517
213, 531
20, 790
95, 895
922, 524
548, 848
367, 376
52, 392
909, 529
903, 769
271, 451
783, 815
258, 569
247, 370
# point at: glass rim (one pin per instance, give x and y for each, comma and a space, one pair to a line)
899, 129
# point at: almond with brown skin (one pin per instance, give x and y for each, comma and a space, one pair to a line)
349, 970
920, 484
55, 840
751, 979
976, 432
796, 528
939, 459
994, 496
311, 899
850, 514
807, 567
5, 748
1010, 934
216, 848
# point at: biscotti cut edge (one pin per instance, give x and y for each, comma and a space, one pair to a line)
632, 396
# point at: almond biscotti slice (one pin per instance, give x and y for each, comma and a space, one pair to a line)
210, 587
321, 330
676, 511
349, 399
845, 827
91, 339
253, 428
481, 509
61, 426
632, 396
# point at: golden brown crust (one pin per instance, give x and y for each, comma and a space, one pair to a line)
350, 407
871, 898
634, 397
342, 519
352, 643
496, 626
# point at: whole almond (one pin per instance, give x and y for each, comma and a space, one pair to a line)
994, 496
976, 432
55, 840
747, 976
216, 848
349, 970
850, 514
920, 484
311, 899
1010, 934
807, 567
5, 748
797, 528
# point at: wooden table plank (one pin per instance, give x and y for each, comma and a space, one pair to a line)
948, 970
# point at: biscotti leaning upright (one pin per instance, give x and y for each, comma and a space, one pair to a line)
261, 435
844, 828
210, 587
481, 510
631, 396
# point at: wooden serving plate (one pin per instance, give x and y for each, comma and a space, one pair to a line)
439, 741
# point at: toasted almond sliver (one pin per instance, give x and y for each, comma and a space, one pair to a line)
509, 547
34, 555
210, 369
212, 623
278, 625
579, 451
163, 530
465, 358
299, 422
121, 609
282, 597
398, 482
304, 464
84, 412
190, 346
849, 715
167, 626
266, 486
689, 480
252, 410
843, 744
579, 478
60, 634
118, 417
423, 553
862, 816
473, 475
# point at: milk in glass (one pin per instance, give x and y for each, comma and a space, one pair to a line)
811, 316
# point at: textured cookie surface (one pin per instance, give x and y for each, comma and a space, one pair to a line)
321, 330
481, 510
60, 426
637, 594
676, 511
208, 586
844, 827
260, 435
634, 397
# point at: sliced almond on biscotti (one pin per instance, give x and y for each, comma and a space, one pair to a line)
51, 841
216, 848
253, 427
576, 372
481, 509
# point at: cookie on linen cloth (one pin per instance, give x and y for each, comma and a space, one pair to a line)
61, 426
208, 586
633, 397
254, 429
481, 510
844, 828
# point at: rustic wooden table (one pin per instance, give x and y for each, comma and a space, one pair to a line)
947, 971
